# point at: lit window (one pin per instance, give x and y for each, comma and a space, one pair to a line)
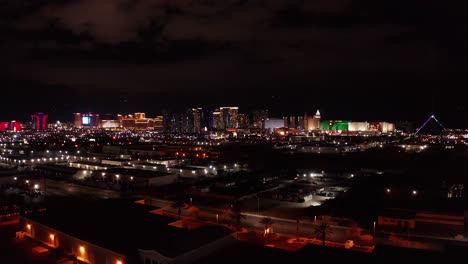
82, 250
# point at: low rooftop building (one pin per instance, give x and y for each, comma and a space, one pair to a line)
121, 232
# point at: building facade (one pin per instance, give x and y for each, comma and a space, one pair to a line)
259, 117
230, 116
39, 121
197, 115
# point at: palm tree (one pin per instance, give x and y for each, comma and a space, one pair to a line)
267, 221
323, 230
236, 213
178, 204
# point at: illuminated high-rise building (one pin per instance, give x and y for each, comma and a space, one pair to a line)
259, 117
11, 126
306, 121
313, 122
120, 119
39, 121
292, 122
218, 122
88, 120
300, 122
140, 115
285, 121
207, 119
230, 116
139, 121
77, 120
197, 115
243, 121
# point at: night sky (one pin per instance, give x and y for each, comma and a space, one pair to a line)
352, 59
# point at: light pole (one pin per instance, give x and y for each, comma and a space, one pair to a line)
373, 237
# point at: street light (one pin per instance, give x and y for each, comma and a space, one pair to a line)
374, 227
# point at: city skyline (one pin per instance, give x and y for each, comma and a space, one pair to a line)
249, 113
353, 59
224, 131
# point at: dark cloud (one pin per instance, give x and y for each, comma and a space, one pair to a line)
220, 51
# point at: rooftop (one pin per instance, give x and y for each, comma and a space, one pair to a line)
138, 172
186, 167
151, 164
118, 159
87, 162
125, 226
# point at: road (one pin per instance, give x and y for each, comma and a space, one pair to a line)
251, 221
65, 189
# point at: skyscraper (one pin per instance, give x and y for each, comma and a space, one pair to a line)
187, 121
39, 121
285, 121
207, 119
259, 117
300, 122
230, 116
313, 122
292, 122
77, 121
197, 114
243, 121
218, 122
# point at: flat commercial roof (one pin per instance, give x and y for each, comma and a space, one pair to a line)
138, 172
124, 227
151, 164
184, 167
58, 168
87, 162
117, 159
